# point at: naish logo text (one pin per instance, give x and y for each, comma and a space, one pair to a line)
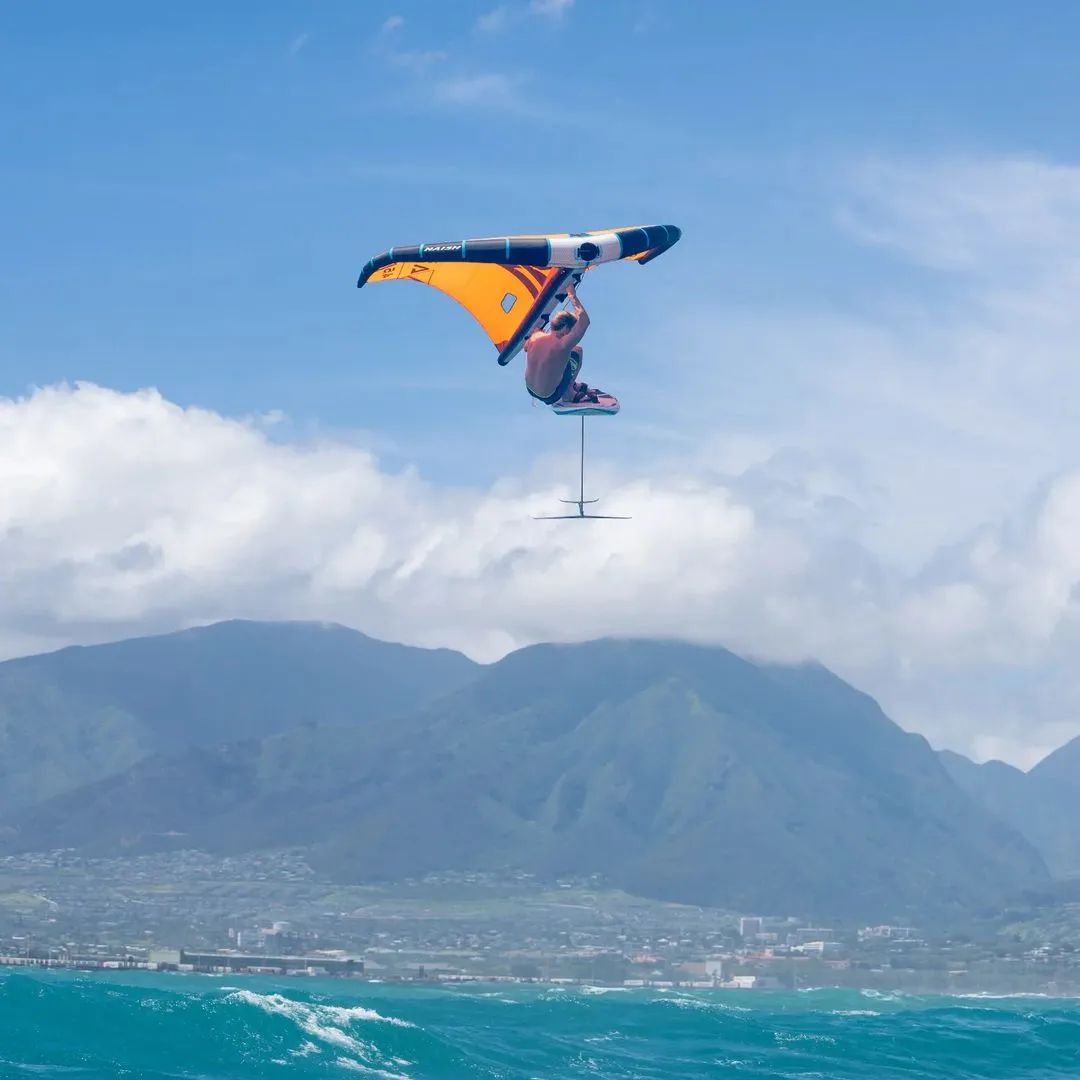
441, 247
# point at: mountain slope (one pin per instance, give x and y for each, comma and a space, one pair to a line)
1062, 766
74, 716
1041, 805
691, 774
675, 771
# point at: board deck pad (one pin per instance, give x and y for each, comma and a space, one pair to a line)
605, 405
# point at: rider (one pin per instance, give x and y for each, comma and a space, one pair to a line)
553, 356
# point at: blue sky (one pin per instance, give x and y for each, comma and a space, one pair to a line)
859, 363
191, 190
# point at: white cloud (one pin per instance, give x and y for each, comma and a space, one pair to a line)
489, 90
492, 91
550, 9
945, 393
124, 513
418, 61
953, 388
499, 18
298, 43
895, 491
967, 214
494, 21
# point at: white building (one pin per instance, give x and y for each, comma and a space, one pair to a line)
752, 982
819, 948
750, 926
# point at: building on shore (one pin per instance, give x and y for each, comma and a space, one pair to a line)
329, 964
750, 926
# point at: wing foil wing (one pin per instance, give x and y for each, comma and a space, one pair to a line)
511, 284
501, 298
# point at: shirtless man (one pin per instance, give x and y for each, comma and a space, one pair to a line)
553, 357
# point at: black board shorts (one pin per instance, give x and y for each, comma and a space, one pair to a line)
573, 366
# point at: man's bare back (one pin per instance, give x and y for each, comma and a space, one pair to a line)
548, 353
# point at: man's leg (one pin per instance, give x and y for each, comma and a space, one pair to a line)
573, 367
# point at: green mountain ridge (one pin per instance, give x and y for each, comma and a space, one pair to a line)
77, 715
676, 771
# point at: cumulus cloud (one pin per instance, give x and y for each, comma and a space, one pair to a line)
943, 398
123, 508
124, 513
951, 375
903, 507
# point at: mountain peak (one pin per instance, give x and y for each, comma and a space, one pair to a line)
115, 703
1062, 766
674, 770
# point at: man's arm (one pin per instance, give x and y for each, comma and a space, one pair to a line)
577, 331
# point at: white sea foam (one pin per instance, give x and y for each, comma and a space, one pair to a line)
346, 1015
610, 1036
686, 1001
1011, 997
326, 1024
339, 1014
786, 1037
884, 995
369, 1070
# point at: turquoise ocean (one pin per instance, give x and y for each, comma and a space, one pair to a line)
71, 1025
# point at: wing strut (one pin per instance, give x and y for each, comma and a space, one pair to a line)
581, 502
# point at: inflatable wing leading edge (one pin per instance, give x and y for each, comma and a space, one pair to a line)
512, 284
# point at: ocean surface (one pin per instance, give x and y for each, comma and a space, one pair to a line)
70, 1025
